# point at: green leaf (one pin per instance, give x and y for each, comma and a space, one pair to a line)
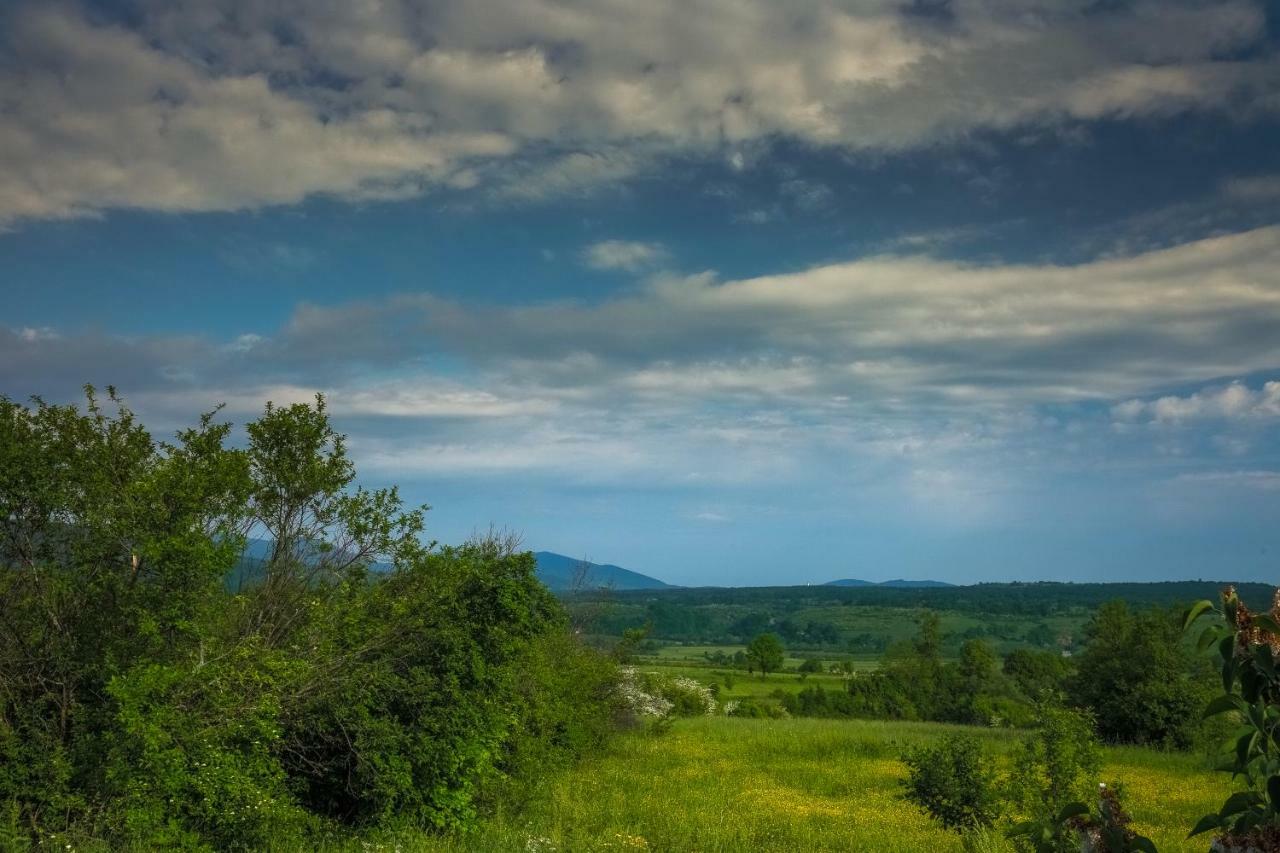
1266, 623
1209, 822
1264, 660
1071, 810
1222, 704
1206, 823
1243, 747
1194, 612
1207, 636
1141, 842
1237, 803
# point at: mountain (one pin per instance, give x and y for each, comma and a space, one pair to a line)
559, 573
896, 584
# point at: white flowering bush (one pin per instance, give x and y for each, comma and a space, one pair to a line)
646, 707
691, 698
653, 699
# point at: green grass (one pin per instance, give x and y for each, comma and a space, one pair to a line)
722, 784
748, 686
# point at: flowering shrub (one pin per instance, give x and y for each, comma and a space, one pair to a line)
1248, 645
691, 698
645, 708
653, 698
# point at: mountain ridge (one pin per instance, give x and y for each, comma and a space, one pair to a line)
562, 574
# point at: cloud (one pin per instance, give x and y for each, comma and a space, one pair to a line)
1235, 401
1266, 481
881, 329
907, 380
914, 327
1254, 188
625, 255
201, 105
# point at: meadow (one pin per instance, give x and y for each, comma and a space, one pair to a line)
724, 784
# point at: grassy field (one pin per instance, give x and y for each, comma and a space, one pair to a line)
722, 784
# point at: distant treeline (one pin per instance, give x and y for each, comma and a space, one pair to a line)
867, 620
1042, 598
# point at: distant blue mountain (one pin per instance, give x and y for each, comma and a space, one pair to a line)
897, 584
560, 573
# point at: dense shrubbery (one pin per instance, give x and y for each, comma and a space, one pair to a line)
1038, 802
1140, 680
914, 683
1247, 645
951, 782
143, 703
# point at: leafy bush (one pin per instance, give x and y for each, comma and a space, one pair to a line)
754, 709
953, 782
1247, 645
1053, 771
1139, 679
354, 676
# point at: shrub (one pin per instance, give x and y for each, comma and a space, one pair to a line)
1247, 646
1053, 771
354, 677
953, 782
754, 709
1139, 678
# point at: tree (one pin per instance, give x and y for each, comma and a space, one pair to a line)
1040, 675
1138, 678
357, 675
809, 666
765, 653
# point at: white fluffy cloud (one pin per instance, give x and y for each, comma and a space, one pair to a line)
1235, 401
228, 104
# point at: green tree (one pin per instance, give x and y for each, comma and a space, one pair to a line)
809, 666
1140, 681
147, 701
1039, 675
765, 653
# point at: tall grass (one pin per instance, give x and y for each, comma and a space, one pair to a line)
718, 784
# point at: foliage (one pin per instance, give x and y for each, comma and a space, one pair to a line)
1140, 681
1110, 830
808, 666
765, 653
1053, 771
147, 702
1247, 645
1039, 675
953, 782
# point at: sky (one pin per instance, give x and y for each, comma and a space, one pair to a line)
729, 292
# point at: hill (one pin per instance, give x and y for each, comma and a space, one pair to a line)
561, 573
